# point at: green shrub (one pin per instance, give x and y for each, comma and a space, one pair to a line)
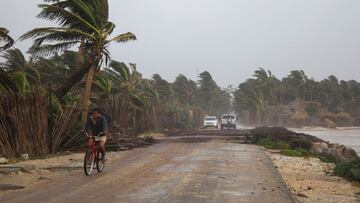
349, 170
299, 152
300, 143
270, 144
327, 158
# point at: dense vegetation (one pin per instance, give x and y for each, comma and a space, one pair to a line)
71, 75
265, 90
89, 76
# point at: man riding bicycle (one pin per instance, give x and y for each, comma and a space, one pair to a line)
98, 125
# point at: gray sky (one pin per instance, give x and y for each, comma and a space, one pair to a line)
229, 38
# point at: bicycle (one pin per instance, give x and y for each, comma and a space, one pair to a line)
92, 156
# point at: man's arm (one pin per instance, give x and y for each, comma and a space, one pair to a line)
86, 126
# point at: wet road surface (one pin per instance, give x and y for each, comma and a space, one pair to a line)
217, 169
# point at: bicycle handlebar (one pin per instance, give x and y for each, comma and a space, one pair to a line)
87, 135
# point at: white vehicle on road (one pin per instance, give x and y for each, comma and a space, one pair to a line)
228, 121
211, 121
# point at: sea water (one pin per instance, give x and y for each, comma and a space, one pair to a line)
348, 136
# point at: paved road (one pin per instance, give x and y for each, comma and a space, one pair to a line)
176, 170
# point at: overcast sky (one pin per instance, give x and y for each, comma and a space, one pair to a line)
228, 38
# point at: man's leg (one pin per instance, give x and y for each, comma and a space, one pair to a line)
102, 148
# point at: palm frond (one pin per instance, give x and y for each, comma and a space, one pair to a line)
21, 82
4, 37
50, 49
65, 18
124, 37
14, 60
121, 68
6, 81
54, 33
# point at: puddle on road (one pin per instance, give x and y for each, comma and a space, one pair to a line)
165, 168
201, 158
171, 168
153, 192
234, 193
179, 158
5, 187
185, 168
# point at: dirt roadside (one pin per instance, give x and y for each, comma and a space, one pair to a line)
46, 170
310, 180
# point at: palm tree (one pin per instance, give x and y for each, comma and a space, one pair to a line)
267, 83
249, 97
127, 80
207, 92
4, 37
184, 89
136, 93
300, 80
78, 21
163, 87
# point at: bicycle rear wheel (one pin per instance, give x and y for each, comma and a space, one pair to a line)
100, 162
89, 162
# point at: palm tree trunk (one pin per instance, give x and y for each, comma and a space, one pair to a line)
87, 92
70, 82
145, 121
79, 55
125, 118
304, 93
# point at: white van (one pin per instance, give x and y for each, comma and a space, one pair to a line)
228, 121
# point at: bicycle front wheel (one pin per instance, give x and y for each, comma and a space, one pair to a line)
100, 162
89, 162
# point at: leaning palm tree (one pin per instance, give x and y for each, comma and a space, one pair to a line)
301, 81
163, 87
267, 83
5, 38
184, 89
78, 21
252, 100
136, 93
127, 80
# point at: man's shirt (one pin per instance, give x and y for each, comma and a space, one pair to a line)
97, 125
